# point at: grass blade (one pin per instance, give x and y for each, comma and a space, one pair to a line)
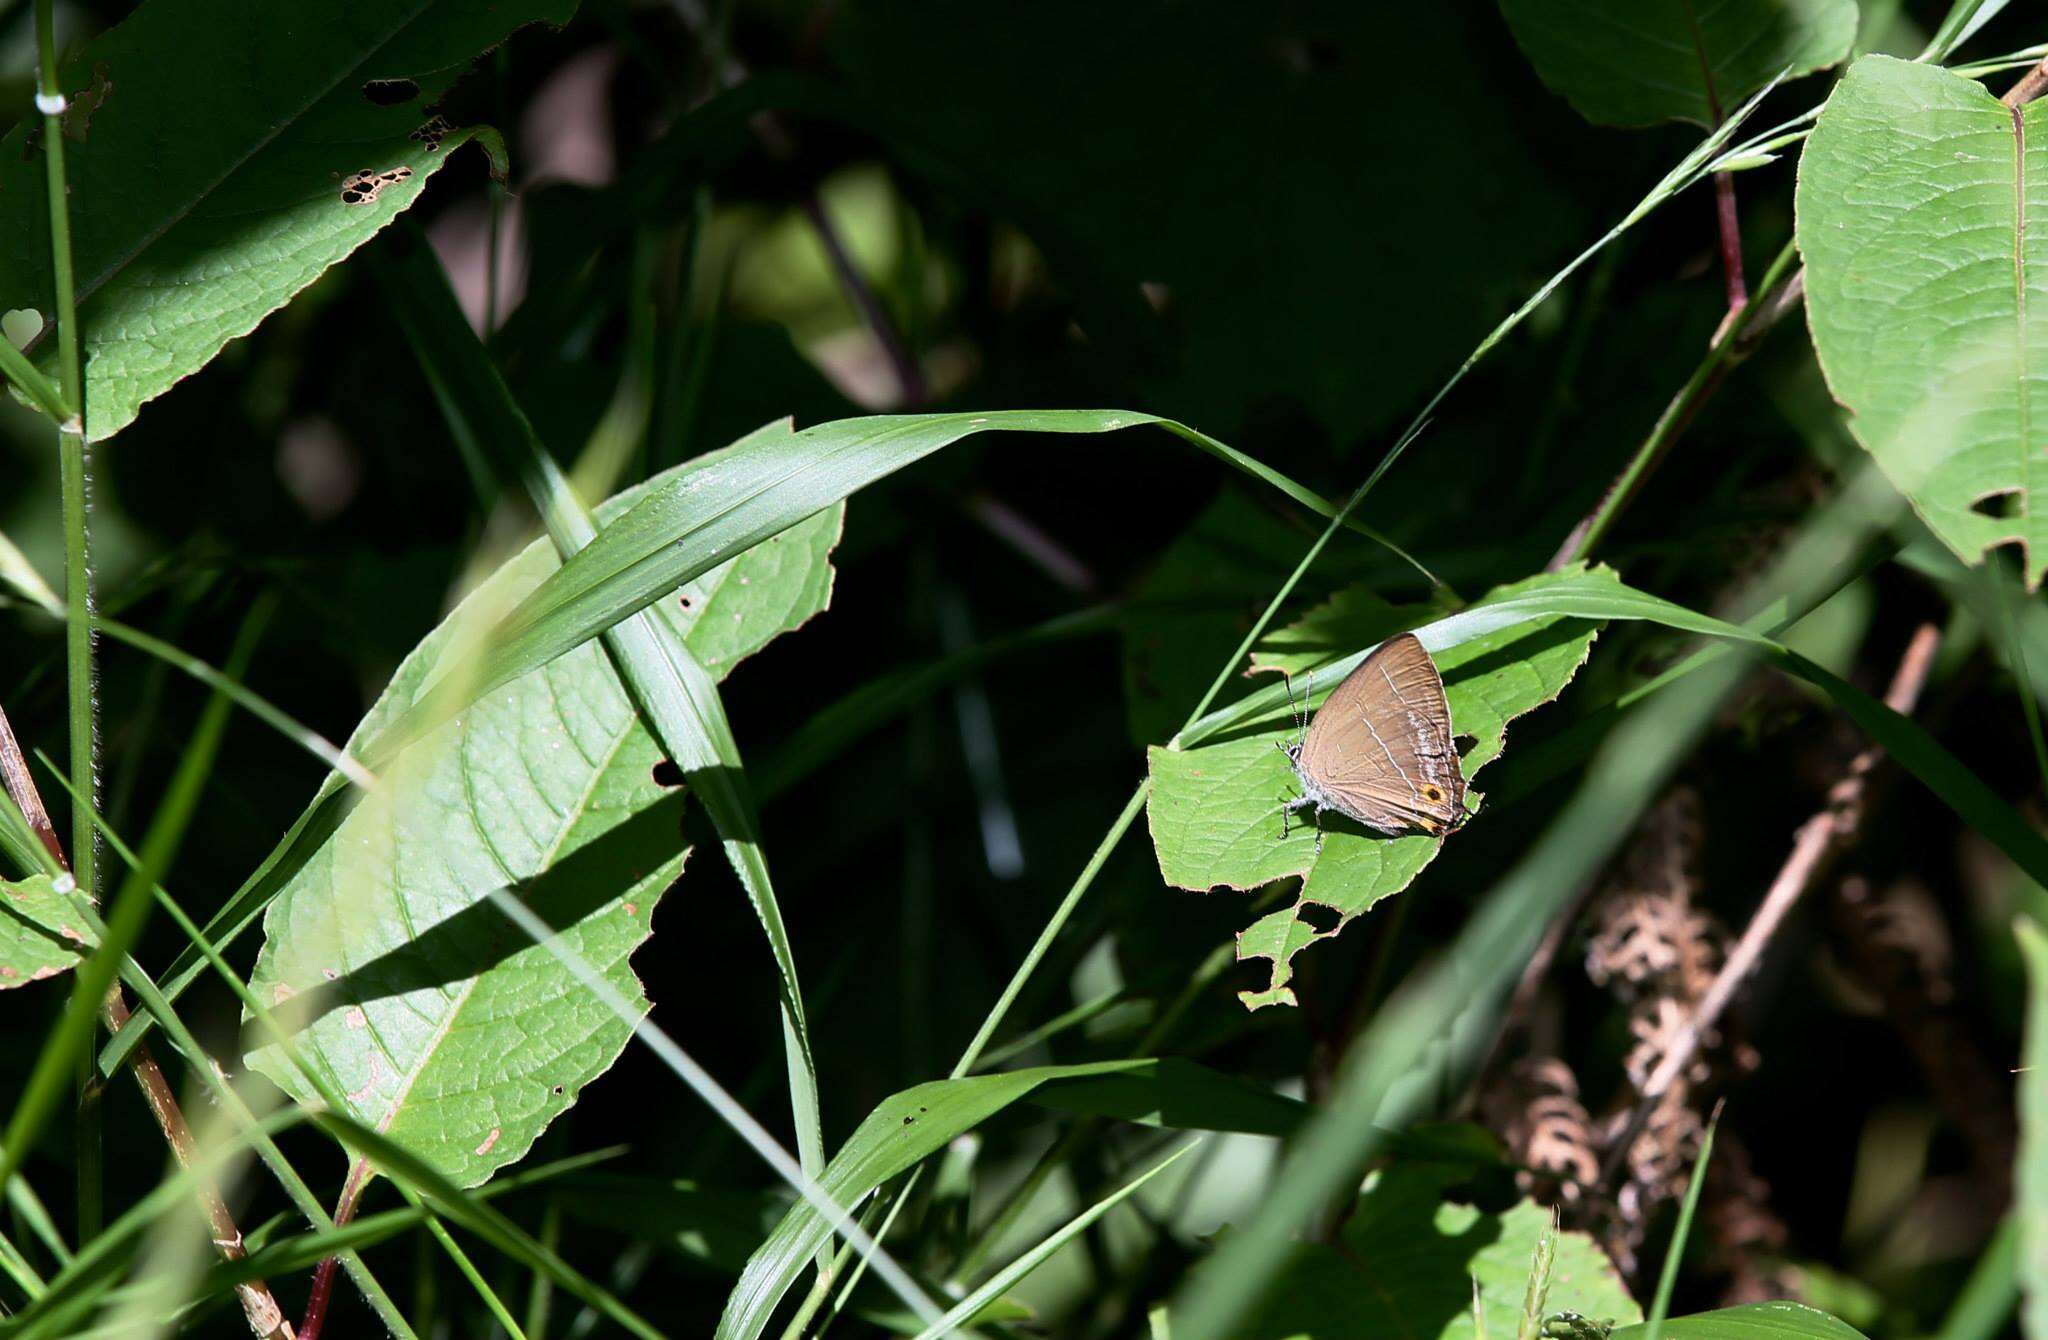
963, 1312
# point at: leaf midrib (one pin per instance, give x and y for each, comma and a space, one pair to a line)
570, 814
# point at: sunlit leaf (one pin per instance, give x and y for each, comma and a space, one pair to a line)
1215, 808
1927, 289
40, 935
1412, 1253
441, 1023
212, 180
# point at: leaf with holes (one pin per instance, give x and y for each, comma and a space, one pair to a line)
201, 205
1920, 207
1412, 1258
40, 936
1631, 63
1215, 808
441, 1023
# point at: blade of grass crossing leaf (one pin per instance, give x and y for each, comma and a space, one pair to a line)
676, 697
305, 837
964, 1312
1674, 1255
325, 1084
2030, 1174
201, 1065
715, 1096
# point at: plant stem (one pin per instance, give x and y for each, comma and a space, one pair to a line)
77, 573
265, 1318
1730, 224
1736, 337
323, 1275
1816, 843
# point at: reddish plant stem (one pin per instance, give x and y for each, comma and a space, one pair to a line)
1814, 844
259, 1306
323, 1275
15, 777
1730, 223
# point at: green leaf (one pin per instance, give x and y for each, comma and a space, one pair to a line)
199, 205
2031, 1169
907, 1127
1639, 62
1409, 1260
1214, 808
40, 935
1927, 290
1754, 1321
444, 1027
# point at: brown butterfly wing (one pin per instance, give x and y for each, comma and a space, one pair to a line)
1381, 745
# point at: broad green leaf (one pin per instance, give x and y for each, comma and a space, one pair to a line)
201, 203
1215, 808
40, 935
1927, 290
445, 1028
1753, 1321
1639, 62
690, 522
2030, 1172
1410, 1260
907, 1127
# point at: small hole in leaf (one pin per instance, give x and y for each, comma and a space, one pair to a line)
391, 92
666, 773
362, 188
1320, 919
688, 604
1997, 503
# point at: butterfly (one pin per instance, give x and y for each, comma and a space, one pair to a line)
1380, 749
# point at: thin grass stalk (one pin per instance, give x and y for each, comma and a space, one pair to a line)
77, 567
1674, 1255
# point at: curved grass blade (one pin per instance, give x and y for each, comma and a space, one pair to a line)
908, 1127
704, 515
674, 695
964, 1312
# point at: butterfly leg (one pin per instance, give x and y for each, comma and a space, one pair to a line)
1319, 831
